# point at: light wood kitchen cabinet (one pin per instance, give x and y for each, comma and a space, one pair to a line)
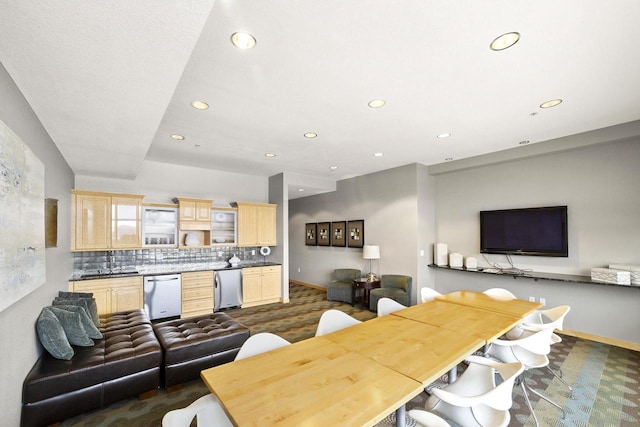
105, 221
256, 224
197, 293
194, 217
113, 295
261, 285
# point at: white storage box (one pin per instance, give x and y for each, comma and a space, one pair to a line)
609, 275
455, 260
633, 269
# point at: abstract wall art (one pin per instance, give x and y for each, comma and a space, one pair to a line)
22, 246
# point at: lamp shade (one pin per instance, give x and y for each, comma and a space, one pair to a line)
371, 252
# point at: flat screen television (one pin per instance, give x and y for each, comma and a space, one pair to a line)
529, 231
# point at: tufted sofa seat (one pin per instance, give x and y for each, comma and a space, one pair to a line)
193, 344
125, 363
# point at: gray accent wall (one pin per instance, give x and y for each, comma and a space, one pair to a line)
19, 345
599, 184
394, 204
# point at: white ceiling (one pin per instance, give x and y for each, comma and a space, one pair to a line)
110, 81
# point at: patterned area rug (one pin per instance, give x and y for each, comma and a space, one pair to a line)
605, 379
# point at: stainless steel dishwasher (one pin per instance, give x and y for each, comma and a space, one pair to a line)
162, 296
228, 289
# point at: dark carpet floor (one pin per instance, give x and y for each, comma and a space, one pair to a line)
606, 379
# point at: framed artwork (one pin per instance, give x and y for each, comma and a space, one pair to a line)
338, 233
324, 233
355, 233
310, 234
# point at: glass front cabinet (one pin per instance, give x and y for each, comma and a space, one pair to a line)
159, 226
224, 227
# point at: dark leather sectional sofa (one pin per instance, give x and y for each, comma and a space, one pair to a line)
127, 362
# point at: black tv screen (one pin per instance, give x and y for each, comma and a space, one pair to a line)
529, 231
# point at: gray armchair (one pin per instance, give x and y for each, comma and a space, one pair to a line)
394, 286
341, 287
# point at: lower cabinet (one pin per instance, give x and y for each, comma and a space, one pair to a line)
112, 295
197, 293
261, 285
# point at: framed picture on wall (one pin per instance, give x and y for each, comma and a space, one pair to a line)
355, 233
310, 234
338, 233
324, 233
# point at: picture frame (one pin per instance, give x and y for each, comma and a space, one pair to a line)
324, 234
310, 234
338, 233
355, 233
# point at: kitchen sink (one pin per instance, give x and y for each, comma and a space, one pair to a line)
109, 274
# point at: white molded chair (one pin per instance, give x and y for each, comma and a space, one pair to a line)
537, 321
387, 305
260, 343
428, 294
427, 419
207, 409
475, 399
334, 320
530, 350
500, 292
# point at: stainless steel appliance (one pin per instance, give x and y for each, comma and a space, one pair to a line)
162, 296
159, 226
228, 289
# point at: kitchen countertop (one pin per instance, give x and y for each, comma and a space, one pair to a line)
154, 270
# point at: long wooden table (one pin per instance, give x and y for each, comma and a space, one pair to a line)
314, 382
358, 375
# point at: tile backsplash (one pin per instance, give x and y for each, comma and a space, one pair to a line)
116, 260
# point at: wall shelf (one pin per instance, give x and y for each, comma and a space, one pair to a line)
567, 278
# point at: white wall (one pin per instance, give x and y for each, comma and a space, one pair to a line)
19, 346
388, 203
599, 184
161, 182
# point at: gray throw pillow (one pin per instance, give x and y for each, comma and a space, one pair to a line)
87, 323
88, 303
72, 326
52, 336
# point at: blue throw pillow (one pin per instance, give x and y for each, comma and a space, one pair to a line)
52, 336
72, 325
86, 321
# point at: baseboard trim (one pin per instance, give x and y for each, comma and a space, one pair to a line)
605, 340
309, 285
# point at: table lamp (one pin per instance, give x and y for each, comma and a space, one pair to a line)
371, 252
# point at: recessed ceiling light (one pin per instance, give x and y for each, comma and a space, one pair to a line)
523, 142
196, 145
333, 168
504, 41
444, 135
310, 135
177, 137
300, 189
200, 105
551, 103
270, 155
377, 103
378, 154
243, 40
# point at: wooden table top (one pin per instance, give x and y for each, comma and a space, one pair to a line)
418, 350
515, 307
485, 324
314, 382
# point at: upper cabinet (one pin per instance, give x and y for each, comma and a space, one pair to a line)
159, 226
224, 226
105, 221
194, 222
256, 224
